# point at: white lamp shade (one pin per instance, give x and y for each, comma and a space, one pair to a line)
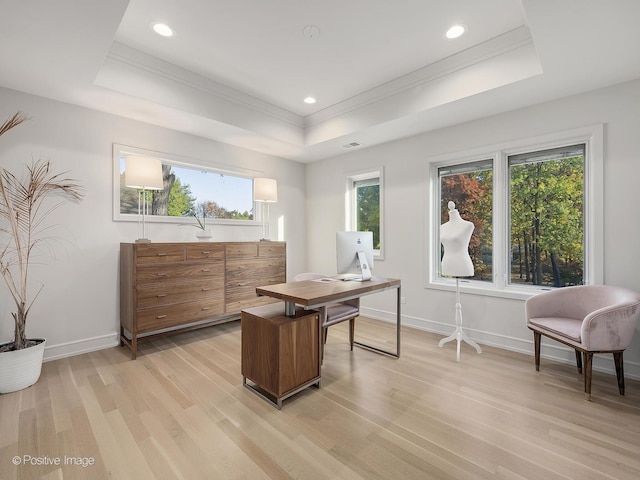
143, 172
265, 190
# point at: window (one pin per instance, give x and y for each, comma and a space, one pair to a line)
470, 187
223, 195
546, 212
537, 211
364, 206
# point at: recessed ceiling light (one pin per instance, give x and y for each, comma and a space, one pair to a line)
455, 31
309, 100
163, 29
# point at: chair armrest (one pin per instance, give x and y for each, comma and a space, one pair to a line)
610, 328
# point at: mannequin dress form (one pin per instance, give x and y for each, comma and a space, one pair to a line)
456, 262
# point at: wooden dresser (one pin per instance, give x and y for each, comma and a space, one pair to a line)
170, 287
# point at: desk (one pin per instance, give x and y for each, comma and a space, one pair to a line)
312, 294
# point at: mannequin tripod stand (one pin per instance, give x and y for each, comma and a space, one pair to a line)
458, 333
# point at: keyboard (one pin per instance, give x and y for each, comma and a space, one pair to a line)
349, 277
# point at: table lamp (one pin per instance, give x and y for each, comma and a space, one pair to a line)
143, 173
265, 191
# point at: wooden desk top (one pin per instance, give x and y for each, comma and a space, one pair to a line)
313, 293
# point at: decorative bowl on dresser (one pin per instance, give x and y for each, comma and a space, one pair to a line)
171, 287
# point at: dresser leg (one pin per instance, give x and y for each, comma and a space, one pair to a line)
134, 347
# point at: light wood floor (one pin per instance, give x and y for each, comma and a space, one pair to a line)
180, 412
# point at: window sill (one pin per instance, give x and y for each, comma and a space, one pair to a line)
184, 221
476, 288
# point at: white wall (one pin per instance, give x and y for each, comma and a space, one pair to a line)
489, 320
78, 309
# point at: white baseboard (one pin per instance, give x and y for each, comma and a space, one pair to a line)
62, 350
550, 350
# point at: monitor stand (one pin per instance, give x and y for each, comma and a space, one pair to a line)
365, 271
364, 268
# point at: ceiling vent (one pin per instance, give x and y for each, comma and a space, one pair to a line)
351, 145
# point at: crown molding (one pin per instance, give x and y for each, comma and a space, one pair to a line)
506, 58
497, 46
149, 65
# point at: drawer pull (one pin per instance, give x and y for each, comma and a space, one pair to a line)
242, 284
205, 270
160, 295
160, 316
205, 252
161, 274
161, 254
206, 308
205, 289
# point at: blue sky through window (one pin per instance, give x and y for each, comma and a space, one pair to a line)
228, 191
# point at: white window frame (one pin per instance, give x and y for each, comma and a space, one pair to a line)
593, 138
167, 158
350, 203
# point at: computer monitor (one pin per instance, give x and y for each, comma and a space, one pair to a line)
354, 251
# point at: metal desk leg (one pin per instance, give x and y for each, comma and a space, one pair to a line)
398, 302
290, 309
385, 352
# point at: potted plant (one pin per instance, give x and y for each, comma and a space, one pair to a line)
25, 205
204, 235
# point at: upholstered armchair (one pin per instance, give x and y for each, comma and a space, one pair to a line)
335, 312
588, 318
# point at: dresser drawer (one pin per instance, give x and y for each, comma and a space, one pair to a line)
156, 294
241, 291
246, 290
259, 266
242, 250
249, 281
152, 319
268, 249
202, 251
237, 306
172, 272
256, 276
159, 253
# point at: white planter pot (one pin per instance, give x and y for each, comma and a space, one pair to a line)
21, 368
204, 235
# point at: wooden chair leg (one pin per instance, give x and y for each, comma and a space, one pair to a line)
352, 329
537, 336
617, 359
324, 335
588, 364
579, 360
